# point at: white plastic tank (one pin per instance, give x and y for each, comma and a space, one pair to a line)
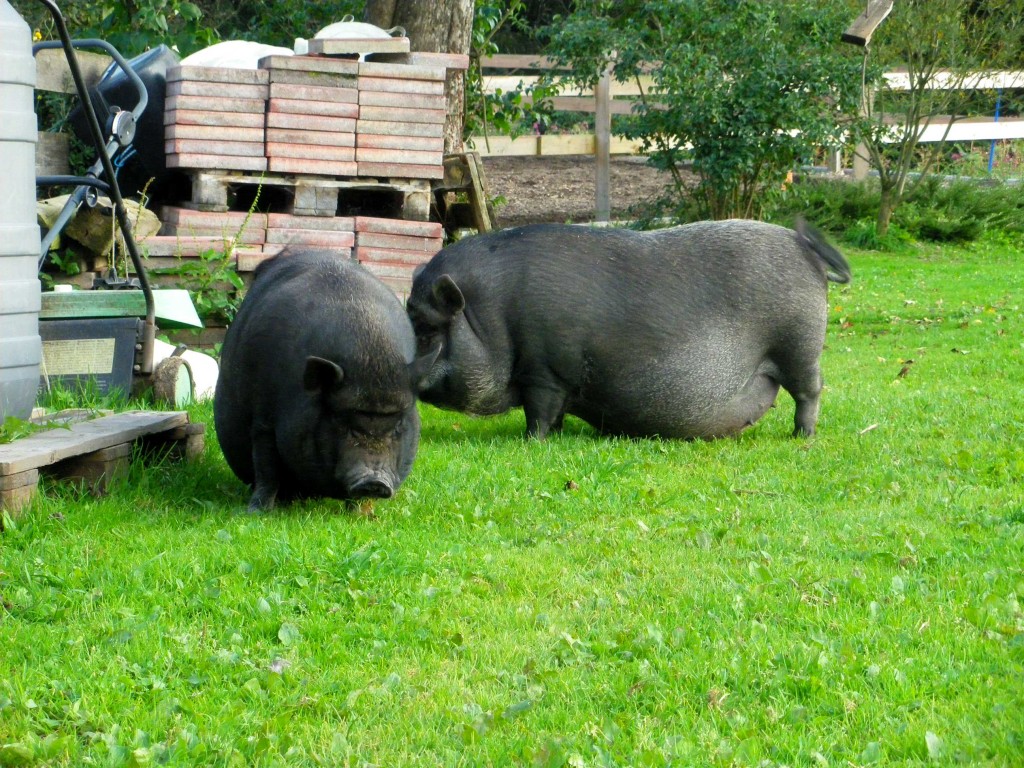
20, 347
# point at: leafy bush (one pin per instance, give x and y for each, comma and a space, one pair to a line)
743, 91
961, 211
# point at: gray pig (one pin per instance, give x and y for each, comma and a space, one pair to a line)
316, 394
686, 332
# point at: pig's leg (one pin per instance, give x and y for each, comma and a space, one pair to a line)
747, 406
264, 463
545, 410
805, 388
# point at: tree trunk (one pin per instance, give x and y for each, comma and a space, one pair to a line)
886, 207
434, 26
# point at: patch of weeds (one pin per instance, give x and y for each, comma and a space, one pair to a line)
213, 281
81, 393
863, 234
14, 428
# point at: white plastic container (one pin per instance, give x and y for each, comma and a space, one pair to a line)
20, 347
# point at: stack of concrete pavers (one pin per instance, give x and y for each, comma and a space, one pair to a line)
400, 132
231, 227
214, 118
342, 137
393, 248
311, 115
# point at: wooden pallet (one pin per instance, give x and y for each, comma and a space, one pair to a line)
464, 173
94, 450
308, 195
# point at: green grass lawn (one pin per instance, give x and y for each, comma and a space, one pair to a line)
846, 600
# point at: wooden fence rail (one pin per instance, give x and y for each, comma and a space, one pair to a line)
621, 97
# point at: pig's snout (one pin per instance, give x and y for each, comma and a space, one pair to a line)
374, 487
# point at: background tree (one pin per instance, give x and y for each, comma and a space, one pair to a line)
928, 39
742, 90
441, 26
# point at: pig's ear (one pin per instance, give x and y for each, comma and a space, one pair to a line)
420, 367
321, 375
447, 296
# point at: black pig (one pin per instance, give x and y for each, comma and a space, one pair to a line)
316, 395
685, 332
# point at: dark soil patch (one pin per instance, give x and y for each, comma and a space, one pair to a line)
564, 188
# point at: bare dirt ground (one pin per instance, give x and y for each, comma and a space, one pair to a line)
563, 188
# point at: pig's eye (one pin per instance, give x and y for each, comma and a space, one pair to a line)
367, 424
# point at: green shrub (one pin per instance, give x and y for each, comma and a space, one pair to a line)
958, 212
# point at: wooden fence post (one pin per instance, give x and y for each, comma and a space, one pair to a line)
602, 142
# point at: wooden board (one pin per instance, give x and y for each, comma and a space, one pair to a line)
53, 73
43, 448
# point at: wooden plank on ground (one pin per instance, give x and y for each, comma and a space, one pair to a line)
49, 447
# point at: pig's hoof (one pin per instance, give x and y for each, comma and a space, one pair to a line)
260, 503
